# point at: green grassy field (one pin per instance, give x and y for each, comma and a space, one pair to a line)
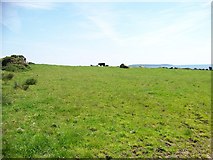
107, 112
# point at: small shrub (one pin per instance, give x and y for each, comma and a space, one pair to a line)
30, 81
7, 77
123, 66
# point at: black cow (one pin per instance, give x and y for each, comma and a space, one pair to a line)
101, 64
210, 68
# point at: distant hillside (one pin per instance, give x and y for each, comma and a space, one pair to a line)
191, 66
151, 65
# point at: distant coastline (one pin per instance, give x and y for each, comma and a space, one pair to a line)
192, 66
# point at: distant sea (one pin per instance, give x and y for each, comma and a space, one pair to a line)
192, 66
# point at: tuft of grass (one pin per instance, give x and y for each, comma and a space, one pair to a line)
6, 100
7, 76
16, 85
30, 81
25, 87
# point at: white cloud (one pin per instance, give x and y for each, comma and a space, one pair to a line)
35, 5
179, 29
106, 28
99, 22
11, 20
107, 22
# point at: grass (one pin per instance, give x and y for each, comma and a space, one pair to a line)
108, 112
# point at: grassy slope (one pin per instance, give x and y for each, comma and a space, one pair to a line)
99, 112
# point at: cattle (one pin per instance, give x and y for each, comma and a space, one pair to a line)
101, 64
210, 68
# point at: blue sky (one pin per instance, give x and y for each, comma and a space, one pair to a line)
71, 33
